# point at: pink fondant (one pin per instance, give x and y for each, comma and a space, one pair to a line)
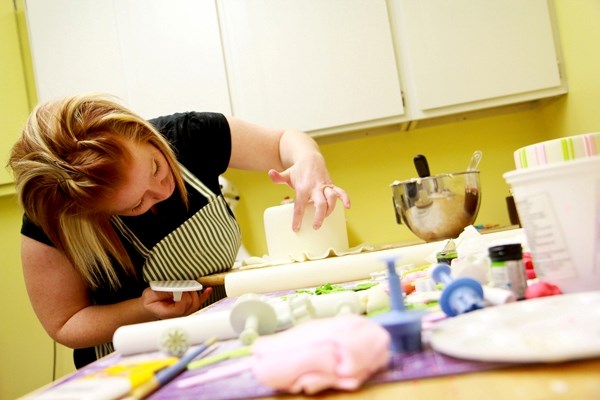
340, 352
541, 289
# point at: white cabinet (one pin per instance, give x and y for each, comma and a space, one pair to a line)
74, 47
327, 66
158, 56
322, 66
311, 64
464, 55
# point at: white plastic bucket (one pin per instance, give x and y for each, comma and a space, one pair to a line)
559, 209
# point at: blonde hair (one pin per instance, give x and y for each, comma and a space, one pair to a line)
68, 162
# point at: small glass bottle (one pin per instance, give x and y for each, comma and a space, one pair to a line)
508, 270
448, 253
446, 257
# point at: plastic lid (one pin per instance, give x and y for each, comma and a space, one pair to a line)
559, 150
513, 251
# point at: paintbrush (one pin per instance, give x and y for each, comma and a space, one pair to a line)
166, 375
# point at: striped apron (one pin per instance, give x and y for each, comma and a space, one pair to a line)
207, 243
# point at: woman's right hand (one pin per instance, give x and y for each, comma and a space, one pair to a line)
162, 306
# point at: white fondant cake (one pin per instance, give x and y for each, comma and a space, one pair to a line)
283, 243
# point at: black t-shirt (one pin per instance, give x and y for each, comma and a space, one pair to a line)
202, 143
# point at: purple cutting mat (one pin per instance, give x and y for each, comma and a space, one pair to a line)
425, 364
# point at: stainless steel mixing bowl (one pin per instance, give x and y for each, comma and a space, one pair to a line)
439, 206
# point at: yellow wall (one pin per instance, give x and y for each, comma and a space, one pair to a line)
22, 340
26, 351
364, 167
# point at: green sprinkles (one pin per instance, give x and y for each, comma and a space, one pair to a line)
332, 288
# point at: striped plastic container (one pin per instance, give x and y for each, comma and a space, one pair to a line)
558, 150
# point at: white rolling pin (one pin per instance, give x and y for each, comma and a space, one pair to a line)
307, 274
145, 337
250, 316
352, 267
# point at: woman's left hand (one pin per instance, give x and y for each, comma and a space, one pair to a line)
162, 305
312, 184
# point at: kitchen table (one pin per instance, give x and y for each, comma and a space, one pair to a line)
571, 380
421, 375
575, 380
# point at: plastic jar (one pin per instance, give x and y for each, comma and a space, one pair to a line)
508, 269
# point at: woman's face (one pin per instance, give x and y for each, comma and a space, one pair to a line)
148, 181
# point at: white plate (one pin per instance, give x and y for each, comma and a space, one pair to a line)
546, 329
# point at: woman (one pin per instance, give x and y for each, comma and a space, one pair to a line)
112, 201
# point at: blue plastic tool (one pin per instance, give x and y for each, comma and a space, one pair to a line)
460, 295
167, 374
404, 326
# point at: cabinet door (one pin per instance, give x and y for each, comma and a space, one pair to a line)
465, 52
74, 47
13, 92
159, 56
310, 64
172, 56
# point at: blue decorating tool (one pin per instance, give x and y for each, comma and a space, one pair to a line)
459, 295
166, 375
404, 326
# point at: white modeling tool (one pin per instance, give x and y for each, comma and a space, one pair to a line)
252, 316
337, 303
174, 341
177, 287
